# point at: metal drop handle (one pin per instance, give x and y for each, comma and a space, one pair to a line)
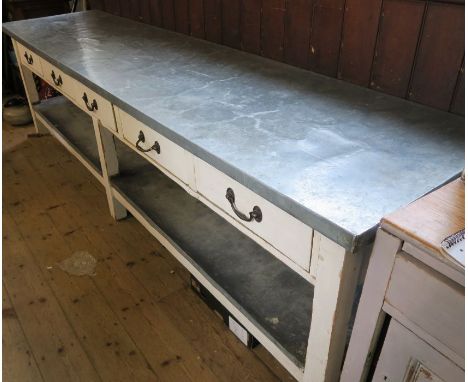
57, 81
28, 59
93, 105
141, 139
255, 214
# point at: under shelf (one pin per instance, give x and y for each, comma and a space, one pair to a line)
270, 294
74, 129
273, 297
75, 126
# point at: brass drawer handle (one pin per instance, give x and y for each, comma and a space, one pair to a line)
57, 81
29, 59
256, 213
141, 139
93, 105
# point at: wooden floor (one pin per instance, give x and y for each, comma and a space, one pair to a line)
135, 320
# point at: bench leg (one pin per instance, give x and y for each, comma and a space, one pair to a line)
109, 166
336, 281
370, 316
30, 89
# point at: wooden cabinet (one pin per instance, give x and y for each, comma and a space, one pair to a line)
410, 321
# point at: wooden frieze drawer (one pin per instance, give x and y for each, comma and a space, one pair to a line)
276, 227
155, 147
29, 59
95, 105
59, 80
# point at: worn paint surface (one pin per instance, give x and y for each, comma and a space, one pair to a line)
336, 156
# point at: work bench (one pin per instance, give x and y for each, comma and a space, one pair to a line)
265, 181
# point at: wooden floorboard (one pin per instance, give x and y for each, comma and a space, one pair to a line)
135, 319
19, 363
44, 323
85, 308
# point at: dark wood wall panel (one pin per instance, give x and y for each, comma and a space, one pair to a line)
125, 8
440, 56
251, 25
111, 6
325, 36
181, 12
197, 18
361, 21
231, 23
97, 4
273, 28
134, 9
155, 12
213, 19
168, 14
408, 48
297, 32
458, 102
396, 46
145, 11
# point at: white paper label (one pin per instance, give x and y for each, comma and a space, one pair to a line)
239, 331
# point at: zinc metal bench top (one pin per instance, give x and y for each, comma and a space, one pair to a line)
336, 156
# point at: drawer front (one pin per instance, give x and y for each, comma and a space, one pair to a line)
430, 300
95, 105
155, 147
59, 80
279, 229
29, 59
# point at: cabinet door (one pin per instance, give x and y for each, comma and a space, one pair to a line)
406, 357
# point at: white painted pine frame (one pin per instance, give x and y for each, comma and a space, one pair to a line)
109, 166
336, 280
370, 316
335, 287
29, 88
336, 275
335, 284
